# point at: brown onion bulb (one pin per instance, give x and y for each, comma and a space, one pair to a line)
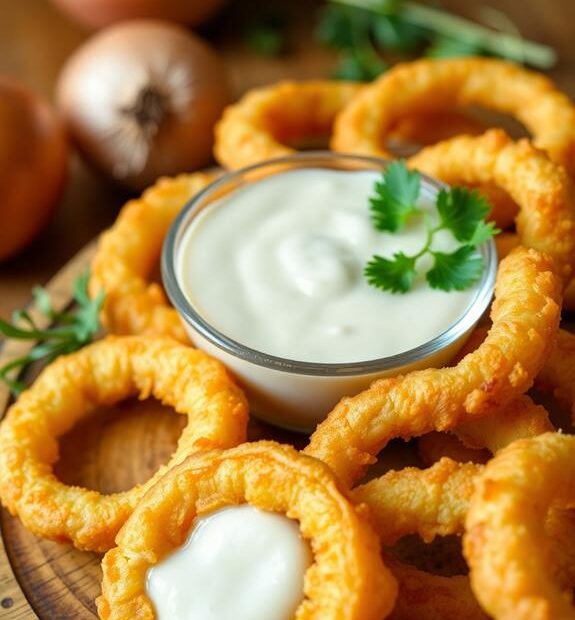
141, 99
100, 13
33, 165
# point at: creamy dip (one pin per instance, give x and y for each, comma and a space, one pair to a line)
238, 562
278, 266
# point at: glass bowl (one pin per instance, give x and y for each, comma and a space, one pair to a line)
296, 394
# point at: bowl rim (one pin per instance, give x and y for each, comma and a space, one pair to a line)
475, 310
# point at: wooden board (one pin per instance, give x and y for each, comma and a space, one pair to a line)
110, 451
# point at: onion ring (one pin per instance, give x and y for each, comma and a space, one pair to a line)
427, 502
434, 502
448, 84
426, 129
103, 373
505, 542
347, 579
430, 502
557, 376
266, 120
432, 597
507, 241
434, 446
542, 189
501, 369
129, 250
519, 419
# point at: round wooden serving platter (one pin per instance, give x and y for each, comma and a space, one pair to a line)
114, 449
111, 451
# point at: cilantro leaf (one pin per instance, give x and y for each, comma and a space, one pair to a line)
395, 197
394, 275
483, 232
455, 271
461, 211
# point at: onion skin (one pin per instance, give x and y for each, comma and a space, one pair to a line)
100, 13
33, 166
140, 100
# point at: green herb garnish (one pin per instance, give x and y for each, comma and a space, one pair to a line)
70, 330
461, 211
361, 29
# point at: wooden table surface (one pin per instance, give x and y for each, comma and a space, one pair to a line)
35, 40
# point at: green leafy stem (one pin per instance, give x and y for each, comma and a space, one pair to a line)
461, 211
357, 26
451, 26
70, 331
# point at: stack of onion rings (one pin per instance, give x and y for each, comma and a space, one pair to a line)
347, 578
103, 373
271, 121
467, 411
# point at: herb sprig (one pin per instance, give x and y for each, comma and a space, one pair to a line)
70, 330
461, 211
361, 28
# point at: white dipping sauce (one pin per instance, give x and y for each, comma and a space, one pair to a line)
238, 563
278, 266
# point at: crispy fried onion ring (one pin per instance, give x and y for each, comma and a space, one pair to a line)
525, 321
427, 85
430, 502
267, 121
523, 418
434, 446
507, 241
434, 502
347, 579
505, 542
541, 188
427, 502
426, 129
128, 252
476, 440
106, 372
425, 596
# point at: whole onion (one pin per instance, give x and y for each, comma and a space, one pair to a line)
33, 165
99, 13
140, 100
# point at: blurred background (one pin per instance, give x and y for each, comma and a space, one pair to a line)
259, 42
